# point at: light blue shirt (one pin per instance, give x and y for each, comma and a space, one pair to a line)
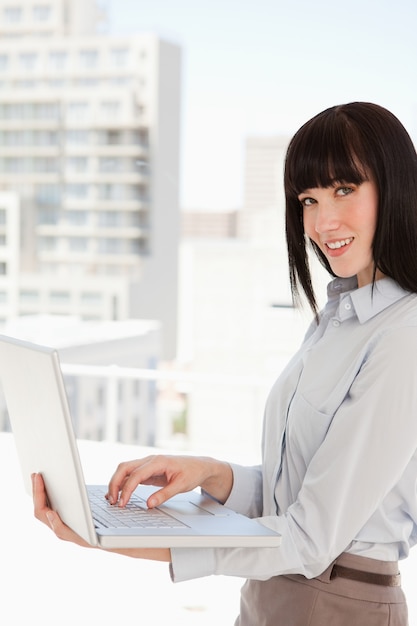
339, 470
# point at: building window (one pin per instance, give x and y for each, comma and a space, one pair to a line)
110, 219
86, 82
47, 244
49, 194
77, 218
78, 244
28, 295
111, 192
27, 61
18, 165
3, 297
110, 109
79, 137
109, 164
139, 138
47, 111
3, 217
119, 57
3, 268
12, 14
136, 220
91, 298
48, 216
120, 81
56, 84
20, 110
4, 137
45, 164
110, 245
41, 12
42, 138
136, 192
78, 191
113, 137
24, 84
78, 110
57, 60
89, 58
4, 62
77, 164
60, 297
138, 246
101, 395
24, 110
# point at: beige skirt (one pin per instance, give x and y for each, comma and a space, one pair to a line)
325, 601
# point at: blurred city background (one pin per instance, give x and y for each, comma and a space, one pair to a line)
141, 201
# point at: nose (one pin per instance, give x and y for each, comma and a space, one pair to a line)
327, 218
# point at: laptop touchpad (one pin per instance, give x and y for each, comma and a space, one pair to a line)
184, 507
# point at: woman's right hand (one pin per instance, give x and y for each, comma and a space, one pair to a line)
175, 474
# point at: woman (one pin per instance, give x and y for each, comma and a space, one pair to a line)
339, 471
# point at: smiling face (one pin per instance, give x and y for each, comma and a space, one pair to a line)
341, 221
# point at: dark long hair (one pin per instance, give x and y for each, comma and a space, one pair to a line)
352, 143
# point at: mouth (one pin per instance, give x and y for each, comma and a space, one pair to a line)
341, 243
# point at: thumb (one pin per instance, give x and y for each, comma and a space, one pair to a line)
51, 517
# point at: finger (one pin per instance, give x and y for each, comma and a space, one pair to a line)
164, 494
138, 476
152, 471
120, 476
40, 499
42, 510
118, 480
172, 483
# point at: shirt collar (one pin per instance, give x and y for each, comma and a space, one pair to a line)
369, 300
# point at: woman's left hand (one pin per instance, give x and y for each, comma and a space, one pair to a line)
45, 514
48, 516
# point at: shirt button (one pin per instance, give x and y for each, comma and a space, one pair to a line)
336, 323
348, 306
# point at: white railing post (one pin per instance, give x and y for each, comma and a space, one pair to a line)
111, 425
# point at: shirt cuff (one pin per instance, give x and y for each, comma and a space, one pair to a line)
190, 563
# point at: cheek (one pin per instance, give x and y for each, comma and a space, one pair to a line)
308, 223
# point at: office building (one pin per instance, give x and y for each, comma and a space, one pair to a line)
89, 142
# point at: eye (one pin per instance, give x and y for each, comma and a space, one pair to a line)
307, 201
344, 191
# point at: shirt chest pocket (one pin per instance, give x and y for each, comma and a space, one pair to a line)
306, 429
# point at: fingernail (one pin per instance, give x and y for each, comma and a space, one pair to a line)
152, 502
50, 517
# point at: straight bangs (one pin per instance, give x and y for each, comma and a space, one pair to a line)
327, 149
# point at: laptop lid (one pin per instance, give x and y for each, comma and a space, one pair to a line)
37, 403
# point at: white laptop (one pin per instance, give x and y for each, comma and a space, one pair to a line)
34, 390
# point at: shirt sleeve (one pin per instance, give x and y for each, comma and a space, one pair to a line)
246, 494
372, 439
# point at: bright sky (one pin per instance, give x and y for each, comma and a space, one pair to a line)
255, 67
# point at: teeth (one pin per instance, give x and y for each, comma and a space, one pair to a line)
339, 244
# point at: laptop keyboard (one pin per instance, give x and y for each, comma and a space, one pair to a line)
134, 515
